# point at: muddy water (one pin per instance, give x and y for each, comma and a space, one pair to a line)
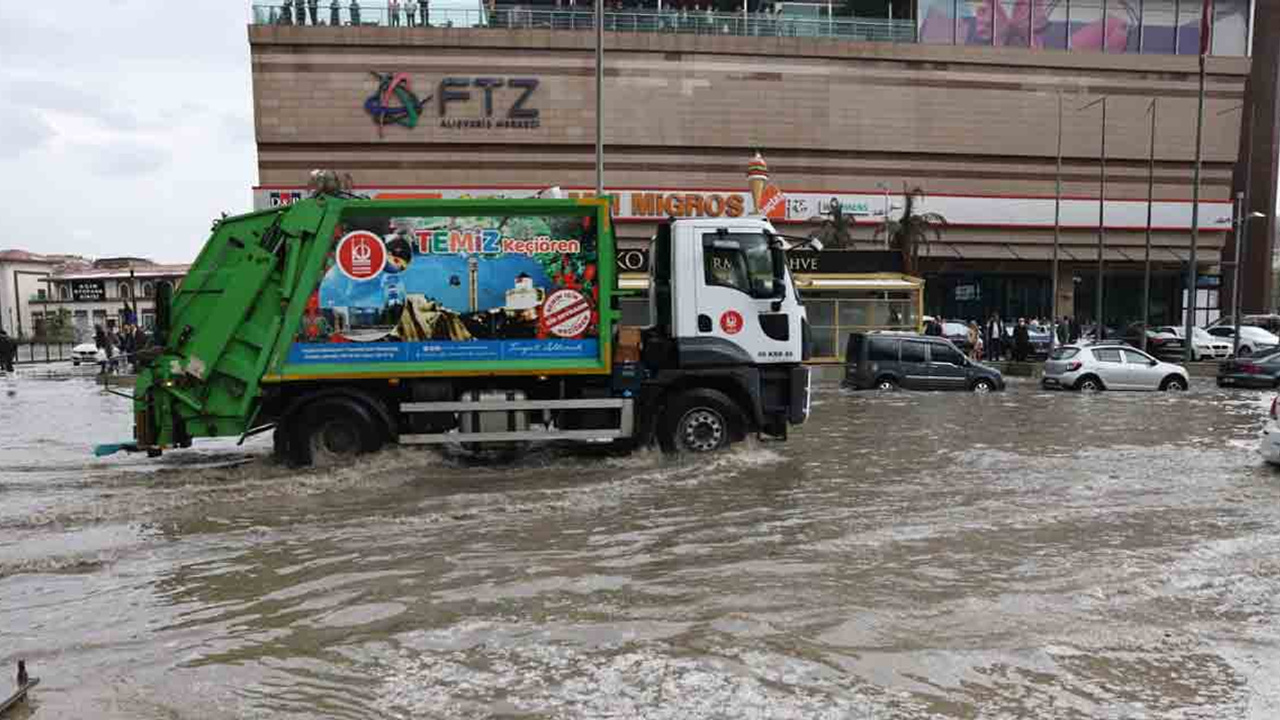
1026, 554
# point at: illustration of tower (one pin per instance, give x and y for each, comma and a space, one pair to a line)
473, 282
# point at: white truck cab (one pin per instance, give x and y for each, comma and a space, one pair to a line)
726, 311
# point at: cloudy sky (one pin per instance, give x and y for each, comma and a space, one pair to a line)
125, 125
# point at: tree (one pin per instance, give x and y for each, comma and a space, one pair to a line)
912, 229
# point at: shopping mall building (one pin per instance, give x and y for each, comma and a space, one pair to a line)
959, 98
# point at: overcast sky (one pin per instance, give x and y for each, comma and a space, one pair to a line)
126, 126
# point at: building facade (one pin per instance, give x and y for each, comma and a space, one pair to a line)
108, 293
23, 288
970, 118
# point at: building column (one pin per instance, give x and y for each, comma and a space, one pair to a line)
1065, 303
1263, 142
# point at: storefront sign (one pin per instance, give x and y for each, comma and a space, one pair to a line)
633, 260
844, 261
865, 209
462, 103
88, 290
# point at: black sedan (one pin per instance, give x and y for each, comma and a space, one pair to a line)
1259, 371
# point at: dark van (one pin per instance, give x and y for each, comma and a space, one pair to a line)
888, 361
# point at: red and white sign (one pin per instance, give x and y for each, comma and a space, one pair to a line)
866, 208
361, 255
731, 322
566, 313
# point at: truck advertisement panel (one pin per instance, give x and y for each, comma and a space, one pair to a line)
483, 289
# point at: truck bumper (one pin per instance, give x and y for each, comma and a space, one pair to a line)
801, 395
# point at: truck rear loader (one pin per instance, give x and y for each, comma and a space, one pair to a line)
344, 324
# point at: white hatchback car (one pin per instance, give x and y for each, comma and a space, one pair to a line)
1270, 448
1110, 367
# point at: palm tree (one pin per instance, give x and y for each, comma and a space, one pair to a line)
908, 232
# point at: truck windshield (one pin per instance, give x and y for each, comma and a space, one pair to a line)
742, 261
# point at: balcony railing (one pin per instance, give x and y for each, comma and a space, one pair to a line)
650, 21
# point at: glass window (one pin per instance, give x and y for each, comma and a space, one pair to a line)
1107, 355
1158, 27
124, 290
742, 261
1064, 353
1086, 25
821, 313
1221, 331
824, 342
41, 294
149, 290
854, 313
1136, 357
883, 349
946, 354
1230, 27
64, 292
634, 311
913, 351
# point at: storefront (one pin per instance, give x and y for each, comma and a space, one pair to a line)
838, 300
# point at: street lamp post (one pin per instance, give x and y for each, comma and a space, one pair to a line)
1241, 222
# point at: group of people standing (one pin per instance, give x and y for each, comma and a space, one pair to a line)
117, 348
302, 12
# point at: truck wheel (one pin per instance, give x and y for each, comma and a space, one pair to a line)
699, 421
333, 430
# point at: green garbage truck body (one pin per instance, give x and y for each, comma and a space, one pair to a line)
344, 324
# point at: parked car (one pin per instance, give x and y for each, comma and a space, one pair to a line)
888, 361
1253, 340
958, 334
1257, 371
84, 353
1110, 367
1205, 346
1161, 344
1270, 323
1270, 448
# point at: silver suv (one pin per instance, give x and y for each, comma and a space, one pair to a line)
1110, 367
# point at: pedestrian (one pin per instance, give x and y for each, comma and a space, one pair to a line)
286, 12
933, 327
410, 17
8, 348
140, 342
1021, 341
110, 346
393, 8
354, 10
313, 7
975, 341
126, 344
1064, 330
334, 18
995, 338
426, 17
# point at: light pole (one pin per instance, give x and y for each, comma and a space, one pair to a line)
1057, 234
599, 98
1241, 223
1099, 323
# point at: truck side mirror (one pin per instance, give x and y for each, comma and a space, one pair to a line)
779, 272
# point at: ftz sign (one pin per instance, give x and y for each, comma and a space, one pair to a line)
460, 90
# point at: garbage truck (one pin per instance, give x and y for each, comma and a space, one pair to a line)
343, 324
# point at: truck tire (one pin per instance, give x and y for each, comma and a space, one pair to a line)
332, 430
699, 421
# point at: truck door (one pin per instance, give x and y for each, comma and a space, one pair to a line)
743, 296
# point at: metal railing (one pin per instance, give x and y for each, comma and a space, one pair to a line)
650, 21
42, 352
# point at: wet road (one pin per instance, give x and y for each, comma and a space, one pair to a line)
1026, 554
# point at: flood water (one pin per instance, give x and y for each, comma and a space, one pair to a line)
910, 555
